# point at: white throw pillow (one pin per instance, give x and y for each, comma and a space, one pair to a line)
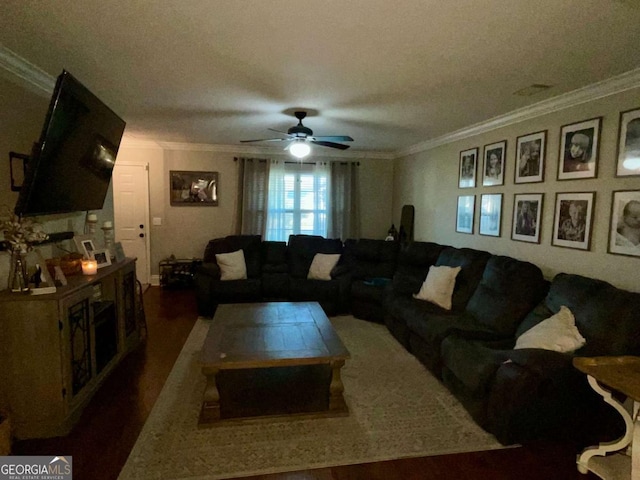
558, 332
232, 265
438, 286
322, 265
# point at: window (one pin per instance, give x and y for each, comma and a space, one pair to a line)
298, 195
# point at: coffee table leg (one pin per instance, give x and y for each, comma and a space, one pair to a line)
210, 411
336, 399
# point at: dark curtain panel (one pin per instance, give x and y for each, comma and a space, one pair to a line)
253, 185
344, 213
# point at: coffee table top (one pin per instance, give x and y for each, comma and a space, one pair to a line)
262, 335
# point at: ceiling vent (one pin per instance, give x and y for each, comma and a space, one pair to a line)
532, 90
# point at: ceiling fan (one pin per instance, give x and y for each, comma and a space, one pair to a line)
299, 136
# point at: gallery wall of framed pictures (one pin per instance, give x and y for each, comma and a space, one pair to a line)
574, 212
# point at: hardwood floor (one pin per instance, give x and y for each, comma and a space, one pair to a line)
104, 436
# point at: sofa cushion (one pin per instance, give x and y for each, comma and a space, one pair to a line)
369, 258
274, 257
558, 333
414, 260
232, 265
322, 265
302, 248
438, 286
473, 263
606, 316
251, 245
509, 289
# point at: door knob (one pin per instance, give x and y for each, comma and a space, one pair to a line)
141, 226
141, 235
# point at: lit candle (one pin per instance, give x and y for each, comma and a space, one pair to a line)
89, 267
107, 224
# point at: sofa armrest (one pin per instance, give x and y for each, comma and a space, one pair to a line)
538, 394
208, 269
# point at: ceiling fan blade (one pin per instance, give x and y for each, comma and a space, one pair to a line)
266, 140
277, 131
334, 138
330, 144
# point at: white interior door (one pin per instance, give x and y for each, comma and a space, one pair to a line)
131, 214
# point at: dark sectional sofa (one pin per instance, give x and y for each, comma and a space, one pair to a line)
518, 395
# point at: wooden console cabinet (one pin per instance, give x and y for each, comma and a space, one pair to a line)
56, 349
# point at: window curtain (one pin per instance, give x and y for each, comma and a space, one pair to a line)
253, 184
276, 227
322, 190
344, 215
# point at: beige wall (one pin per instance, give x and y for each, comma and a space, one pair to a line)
185, 231
429, 181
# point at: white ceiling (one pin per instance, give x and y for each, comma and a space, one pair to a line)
391, 74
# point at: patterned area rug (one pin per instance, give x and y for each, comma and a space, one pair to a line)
397, 409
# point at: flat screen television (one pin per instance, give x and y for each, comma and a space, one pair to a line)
70, 166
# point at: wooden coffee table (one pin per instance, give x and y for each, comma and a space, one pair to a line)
272, 359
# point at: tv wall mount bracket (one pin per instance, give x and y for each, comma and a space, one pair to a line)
19, 170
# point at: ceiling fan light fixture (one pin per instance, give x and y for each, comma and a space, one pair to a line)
299, 149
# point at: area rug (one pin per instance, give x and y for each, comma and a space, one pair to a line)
397, 410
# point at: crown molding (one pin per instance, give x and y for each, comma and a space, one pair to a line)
16, 67
605, 88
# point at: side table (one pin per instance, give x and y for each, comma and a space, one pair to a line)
623, 375
176, 273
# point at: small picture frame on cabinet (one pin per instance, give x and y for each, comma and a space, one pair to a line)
102, 257
119, 252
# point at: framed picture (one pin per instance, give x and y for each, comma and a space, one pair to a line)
119, 252
84, 245
490, 214
530, 157
573, 220
465, 213
493, 171
467, 175
102, 257
527, 213
193, 188
579, 144
624, 232
629, 144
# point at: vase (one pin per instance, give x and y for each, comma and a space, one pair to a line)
18, 280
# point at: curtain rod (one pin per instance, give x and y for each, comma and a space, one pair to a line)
235, 159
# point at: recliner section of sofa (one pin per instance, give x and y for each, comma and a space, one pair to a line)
275, 271
529, 394
494, 305
210, 290
330, 294
371, 264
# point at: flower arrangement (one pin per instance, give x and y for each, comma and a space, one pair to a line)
21, 233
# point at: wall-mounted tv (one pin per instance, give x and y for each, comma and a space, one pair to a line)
70, 167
